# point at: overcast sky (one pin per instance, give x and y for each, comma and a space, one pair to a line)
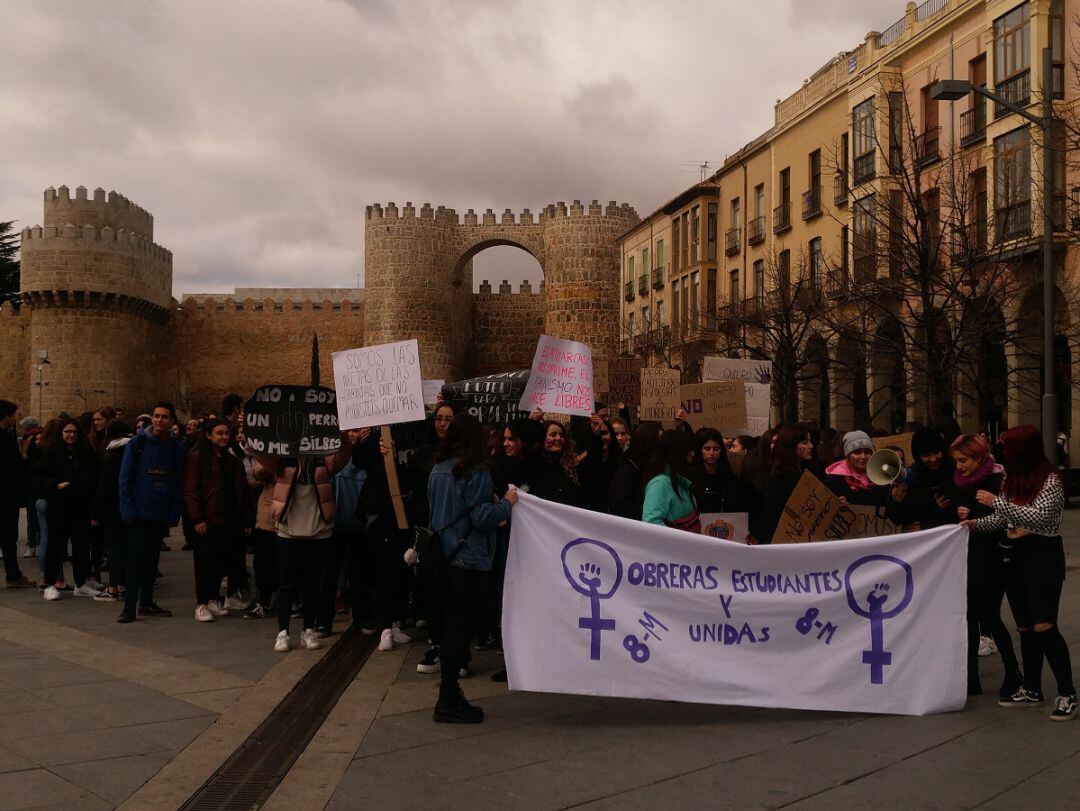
255, 132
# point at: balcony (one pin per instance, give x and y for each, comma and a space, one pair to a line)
753, 309
808, 297
840, 189
781, 217
1016, 90
928, 147
973, 123
837, 282
658, 279
643, 284
755, 231
969, 242
730, 312
1014, 222
628, 291
864, 168
811, 203
731, 241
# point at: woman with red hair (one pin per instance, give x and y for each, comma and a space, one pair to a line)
1029, 511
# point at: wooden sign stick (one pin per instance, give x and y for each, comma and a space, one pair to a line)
392, 479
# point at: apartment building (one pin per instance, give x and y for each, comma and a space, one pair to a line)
880, 246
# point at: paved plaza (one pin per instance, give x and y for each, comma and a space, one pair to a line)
101, 715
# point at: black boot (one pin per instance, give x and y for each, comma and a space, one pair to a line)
456, 710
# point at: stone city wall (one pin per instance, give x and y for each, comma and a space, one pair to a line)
15, 357
506, 327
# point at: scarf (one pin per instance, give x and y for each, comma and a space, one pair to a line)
971, 483
855, 481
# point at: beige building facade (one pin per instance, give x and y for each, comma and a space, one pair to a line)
866, 237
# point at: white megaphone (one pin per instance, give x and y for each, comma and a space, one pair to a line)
885, 467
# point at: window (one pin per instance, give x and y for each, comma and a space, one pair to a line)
660, 253
845, 248
685, 238
645, 266
785, 186
982, 216
646, 324
629, 268
685, 302
932, 208
734, 293
676, 293
784, 271
659, 314
817, 263
1012, 44
695, 233
896, 133
735, 213
1057, 47
710, 293
759, 279
1012, 183
896, 233
815, 172
711, 226
862, 128
630, 324
864, 247
675, 243
782, 213
695, 298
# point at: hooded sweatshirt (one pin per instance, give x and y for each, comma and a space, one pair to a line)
150, 479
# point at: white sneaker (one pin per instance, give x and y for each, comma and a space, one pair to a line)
386, 641
236, 601
53, 593
94, 584
215, 608
986, 646
29, 553
282, 643
86, 590
203, 614
308, 640
398, 635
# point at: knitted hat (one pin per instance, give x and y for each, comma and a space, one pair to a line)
857, 441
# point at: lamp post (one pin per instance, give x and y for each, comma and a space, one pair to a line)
955, 89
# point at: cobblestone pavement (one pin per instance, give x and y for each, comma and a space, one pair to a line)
100, 715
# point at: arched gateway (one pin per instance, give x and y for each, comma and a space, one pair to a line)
418, 267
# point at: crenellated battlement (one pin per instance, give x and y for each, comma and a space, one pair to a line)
8, 310
88, 236
506, 289
100, 210
209, 304
449, 216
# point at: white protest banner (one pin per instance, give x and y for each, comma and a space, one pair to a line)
756, 376
378, 385
432, 389
601, 605
562, 378
726, 526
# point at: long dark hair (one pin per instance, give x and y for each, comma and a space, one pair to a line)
785, 455
116, 429
702, 436
465, 443
643, 443
670, 458
1026, 465
57, 446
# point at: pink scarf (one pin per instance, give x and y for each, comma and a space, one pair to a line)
972, 482
856, 481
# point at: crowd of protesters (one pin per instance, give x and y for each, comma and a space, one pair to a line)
324, 539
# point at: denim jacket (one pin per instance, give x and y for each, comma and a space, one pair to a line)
469, 500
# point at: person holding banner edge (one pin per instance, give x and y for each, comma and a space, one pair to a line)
669, 494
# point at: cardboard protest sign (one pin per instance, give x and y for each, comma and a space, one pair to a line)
493, 399
901, 443
562, 378
379, 385
292, 421
714, 405
809, 513
601, 380
868, 522
756, 376
659, 394
726, 526
624, 381
431, 389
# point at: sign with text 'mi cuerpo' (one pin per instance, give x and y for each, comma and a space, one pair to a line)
292, 421
379, 385
714, 405
561, 380
601, 605
756, 377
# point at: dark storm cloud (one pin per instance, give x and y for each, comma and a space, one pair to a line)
257, 132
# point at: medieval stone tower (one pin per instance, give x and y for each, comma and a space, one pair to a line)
100, 292
419, 275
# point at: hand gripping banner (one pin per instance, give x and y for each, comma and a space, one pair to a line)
599, 605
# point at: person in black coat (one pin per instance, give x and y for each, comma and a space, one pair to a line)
792, 454
717, 488
557, 477
13, 495
626, 491
106, 508
926, 499
602, 454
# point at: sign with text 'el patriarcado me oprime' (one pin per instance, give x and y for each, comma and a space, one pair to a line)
561, 381
379, 385
601, 605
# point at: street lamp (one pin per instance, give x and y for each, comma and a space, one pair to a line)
955, 89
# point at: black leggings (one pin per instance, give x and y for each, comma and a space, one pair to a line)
386, 546
461, 589
208, 555
299, 564
265, 565
987, 571
63, 527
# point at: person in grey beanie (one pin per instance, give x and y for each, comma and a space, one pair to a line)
847, 478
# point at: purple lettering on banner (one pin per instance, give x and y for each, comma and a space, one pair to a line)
877, 657
588, 578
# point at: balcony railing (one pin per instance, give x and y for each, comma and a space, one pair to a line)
865, 269
658, 279
969, 242
730, 312
643, 284
781, 217
864, 168
840, 189
808, 297
1014, 222
755, 230
1016, 90
811, 203
973, 123
754, 309
731, 241
628, 291
927, 146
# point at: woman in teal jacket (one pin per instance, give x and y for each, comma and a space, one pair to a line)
464, 514
669, 495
